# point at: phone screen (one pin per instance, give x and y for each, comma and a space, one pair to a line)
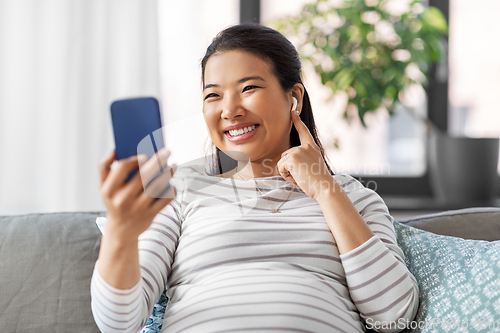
133, 121
137, 127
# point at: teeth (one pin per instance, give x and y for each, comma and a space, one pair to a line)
242, 130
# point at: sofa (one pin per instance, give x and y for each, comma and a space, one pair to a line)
46, 263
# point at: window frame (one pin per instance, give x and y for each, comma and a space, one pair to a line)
437, 112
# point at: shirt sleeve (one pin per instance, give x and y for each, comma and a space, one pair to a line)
381, 286
117, 310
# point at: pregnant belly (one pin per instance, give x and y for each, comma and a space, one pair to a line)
261, 300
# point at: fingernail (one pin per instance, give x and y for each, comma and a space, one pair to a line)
163, 152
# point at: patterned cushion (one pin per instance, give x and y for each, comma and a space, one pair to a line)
155, 321
458, 279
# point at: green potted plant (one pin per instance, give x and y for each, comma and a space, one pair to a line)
375, 51
368, 48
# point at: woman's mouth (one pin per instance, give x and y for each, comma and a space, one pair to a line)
241, 134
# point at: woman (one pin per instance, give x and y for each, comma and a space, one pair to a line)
277, 243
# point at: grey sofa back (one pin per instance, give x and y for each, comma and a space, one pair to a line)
470, 223
46, 262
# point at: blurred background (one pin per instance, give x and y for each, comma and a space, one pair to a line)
63, 62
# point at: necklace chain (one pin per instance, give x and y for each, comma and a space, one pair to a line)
273, 211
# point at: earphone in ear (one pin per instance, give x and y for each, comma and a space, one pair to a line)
294, 106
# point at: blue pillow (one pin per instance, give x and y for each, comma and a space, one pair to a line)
155, 322
459, 281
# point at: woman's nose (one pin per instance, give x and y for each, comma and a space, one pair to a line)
231, 107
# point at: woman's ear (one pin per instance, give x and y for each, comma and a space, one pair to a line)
297, 95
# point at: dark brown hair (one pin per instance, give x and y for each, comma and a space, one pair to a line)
285, 63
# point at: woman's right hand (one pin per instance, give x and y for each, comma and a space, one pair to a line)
130, 209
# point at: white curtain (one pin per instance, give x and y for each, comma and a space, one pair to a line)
186, 28
62, 62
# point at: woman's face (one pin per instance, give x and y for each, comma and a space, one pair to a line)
241, 95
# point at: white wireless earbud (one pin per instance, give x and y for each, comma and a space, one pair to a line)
294, 106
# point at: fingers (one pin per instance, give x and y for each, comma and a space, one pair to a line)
282, 168
304, 134
120, 172
159, 191
158, 187
287, 153
285, 167
157, 204
105, 166
154, 167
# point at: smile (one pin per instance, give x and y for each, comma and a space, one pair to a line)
242, 134
242, 131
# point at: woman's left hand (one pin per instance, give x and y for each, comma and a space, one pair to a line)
304, 166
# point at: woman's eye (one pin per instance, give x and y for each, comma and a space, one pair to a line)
249, 88
211, 95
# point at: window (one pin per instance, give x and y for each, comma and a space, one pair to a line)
474, 69
392, 154
390, 146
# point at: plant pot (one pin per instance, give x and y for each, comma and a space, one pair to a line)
463, 170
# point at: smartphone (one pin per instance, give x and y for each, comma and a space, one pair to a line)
137, 127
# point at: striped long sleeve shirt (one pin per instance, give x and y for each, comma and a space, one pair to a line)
229, 265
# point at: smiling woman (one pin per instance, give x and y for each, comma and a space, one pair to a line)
325, 260
241, 92
265, 74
